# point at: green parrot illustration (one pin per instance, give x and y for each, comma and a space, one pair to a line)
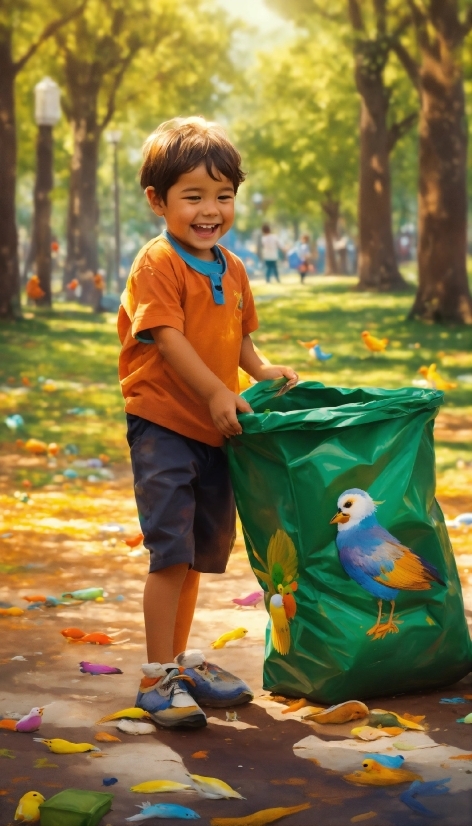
280, 575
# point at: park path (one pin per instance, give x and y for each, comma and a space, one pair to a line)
58, 541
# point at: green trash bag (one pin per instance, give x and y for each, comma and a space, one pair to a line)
335, 491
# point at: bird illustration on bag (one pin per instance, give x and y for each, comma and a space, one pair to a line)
280, 575
375, 559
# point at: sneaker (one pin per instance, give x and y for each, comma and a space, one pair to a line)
209, 684
163, 694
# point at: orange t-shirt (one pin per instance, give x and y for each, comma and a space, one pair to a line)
162, 290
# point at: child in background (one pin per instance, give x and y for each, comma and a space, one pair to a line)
305, 256
185, 322
270, 253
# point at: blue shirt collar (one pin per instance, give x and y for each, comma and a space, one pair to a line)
214, 270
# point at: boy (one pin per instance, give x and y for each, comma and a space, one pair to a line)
184, 324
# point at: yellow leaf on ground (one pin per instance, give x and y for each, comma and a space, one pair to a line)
260, 818
291, 781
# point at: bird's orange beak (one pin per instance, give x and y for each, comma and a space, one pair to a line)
339, 517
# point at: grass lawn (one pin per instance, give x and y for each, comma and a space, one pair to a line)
78, 351
64, 525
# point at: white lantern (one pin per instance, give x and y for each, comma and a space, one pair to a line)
47, 110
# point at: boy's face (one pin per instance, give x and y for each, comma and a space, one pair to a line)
198, 211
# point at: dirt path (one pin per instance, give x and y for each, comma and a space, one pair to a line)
58, 541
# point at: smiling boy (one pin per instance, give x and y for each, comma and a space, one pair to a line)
185, 322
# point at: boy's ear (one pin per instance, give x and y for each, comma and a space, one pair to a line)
156, 203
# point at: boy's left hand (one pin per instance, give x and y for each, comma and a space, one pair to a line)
276, 371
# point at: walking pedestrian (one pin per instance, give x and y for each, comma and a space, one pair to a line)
305, 255
270, 253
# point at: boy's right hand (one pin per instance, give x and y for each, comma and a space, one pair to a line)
223, 406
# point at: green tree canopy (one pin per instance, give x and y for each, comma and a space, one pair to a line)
299, 129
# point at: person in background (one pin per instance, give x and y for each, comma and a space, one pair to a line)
305, 256
270, 252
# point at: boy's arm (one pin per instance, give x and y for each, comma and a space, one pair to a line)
223, 403
252, 364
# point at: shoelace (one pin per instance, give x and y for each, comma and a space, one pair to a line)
173, 677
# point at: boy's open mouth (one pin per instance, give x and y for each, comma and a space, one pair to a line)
205, 230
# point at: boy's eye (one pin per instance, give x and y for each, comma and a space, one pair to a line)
193, 197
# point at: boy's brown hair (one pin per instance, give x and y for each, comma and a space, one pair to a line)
180, 145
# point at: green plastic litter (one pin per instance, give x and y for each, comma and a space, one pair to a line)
75, 807
288, 470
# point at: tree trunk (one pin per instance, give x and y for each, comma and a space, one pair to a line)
443, 291
9, 266
331, 211
42, 212
82, 222
377, 266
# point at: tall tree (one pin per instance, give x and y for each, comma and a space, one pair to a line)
19, 41
378, 267
440, 29
369, 30
96, 55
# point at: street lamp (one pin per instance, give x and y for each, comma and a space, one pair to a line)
47, 112
113, 137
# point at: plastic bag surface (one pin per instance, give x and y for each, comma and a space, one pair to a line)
325, 561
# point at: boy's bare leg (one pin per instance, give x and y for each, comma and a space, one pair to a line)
161, 602
186, 610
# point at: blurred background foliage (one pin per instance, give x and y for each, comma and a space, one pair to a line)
301, 100
292, 107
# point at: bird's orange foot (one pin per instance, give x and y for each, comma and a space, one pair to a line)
389, 627
372, 632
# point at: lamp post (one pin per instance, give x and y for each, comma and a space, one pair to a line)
113, 137
47, 113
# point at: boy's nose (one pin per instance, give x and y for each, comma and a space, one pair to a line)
210, 209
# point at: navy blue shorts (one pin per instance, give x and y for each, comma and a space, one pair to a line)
184, 496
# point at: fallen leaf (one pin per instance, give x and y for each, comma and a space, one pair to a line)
414, 719
200, 755
19, 779
341, 713
296, 705
7, 753
43, 763
461, 757
4, 791
292, 781
365, 816
261, 817
104, 737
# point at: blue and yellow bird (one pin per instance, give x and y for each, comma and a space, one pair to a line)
375, 559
